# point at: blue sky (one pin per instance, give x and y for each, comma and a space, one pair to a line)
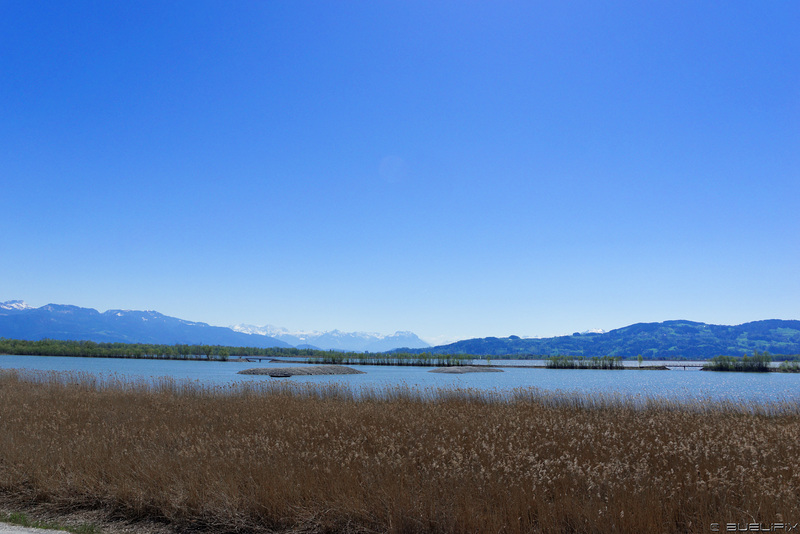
458, 169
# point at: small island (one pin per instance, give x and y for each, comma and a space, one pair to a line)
462, 369
307, 370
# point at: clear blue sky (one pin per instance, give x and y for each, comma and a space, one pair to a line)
458, 169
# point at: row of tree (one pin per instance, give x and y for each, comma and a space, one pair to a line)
759, 362
424, 359
57, 347
579, 362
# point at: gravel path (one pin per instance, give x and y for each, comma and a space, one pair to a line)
6, 528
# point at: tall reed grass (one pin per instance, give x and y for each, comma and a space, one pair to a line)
423, 359
758, 363
271, 456
579, 362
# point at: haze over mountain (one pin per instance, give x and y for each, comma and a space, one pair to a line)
338, 340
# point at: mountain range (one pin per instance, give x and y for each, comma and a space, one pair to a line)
338, 340
65, 322
664, 340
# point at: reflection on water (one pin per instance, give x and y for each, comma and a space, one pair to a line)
676, 383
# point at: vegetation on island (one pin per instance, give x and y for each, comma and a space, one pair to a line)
276, 457
397, 358
579, 362
759, 362
790, 366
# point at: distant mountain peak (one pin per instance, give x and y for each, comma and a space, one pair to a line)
594, 331
15, 305
338, 339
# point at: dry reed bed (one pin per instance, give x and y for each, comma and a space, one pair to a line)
266, 456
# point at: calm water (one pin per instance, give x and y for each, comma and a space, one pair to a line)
676, 383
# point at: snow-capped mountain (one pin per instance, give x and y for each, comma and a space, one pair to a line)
338, 340
594, 331
18, 320
266, 330
14, 305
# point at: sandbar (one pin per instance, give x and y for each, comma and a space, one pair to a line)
282, 372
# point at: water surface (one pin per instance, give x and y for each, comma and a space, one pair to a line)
674, 384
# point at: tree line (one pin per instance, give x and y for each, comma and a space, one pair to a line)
178, 351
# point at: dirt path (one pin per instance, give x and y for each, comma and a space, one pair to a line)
6, 528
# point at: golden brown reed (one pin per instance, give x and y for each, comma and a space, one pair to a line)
275, 456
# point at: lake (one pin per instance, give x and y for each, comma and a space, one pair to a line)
673, 384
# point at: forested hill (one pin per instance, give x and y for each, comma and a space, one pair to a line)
669, 339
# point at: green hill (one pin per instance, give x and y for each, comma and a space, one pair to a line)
665, 340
